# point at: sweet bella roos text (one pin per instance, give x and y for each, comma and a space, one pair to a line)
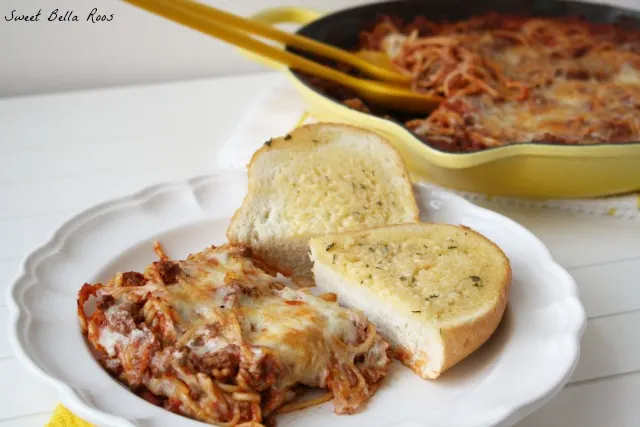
61, 16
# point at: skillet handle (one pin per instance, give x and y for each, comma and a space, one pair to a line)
280, 15
289, 14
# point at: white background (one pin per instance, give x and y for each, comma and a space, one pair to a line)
136, 47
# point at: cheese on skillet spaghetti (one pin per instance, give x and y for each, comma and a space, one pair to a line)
217, 339
509, 79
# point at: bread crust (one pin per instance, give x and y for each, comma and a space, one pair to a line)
293, 141
460, 341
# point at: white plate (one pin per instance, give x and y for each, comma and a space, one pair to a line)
526, 362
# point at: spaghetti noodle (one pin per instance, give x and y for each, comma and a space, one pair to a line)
217, 339
509, 79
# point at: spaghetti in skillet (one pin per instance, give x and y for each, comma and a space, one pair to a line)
217, 339
508, 79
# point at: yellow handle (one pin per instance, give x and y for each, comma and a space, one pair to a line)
280, 15
214, 22
262, 24
287, 14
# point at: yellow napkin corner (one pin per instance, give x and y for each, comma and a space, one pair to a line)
62, 417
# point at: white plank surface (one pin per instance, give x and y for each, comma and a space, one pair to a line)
27, 421
5, 351
25, 233
8, 270
608, 403
22, 393
64, 153
609, 288
581, 240
610, 346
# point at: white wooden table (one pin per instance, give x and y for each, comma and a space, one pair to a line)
60, 154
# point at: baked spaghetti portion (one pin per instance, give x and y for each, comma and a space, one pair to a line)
508, 79
217, 339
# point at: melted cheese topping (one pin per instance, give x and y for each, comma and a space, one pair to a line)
217, 339
509, 81
577, 112
224, 289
